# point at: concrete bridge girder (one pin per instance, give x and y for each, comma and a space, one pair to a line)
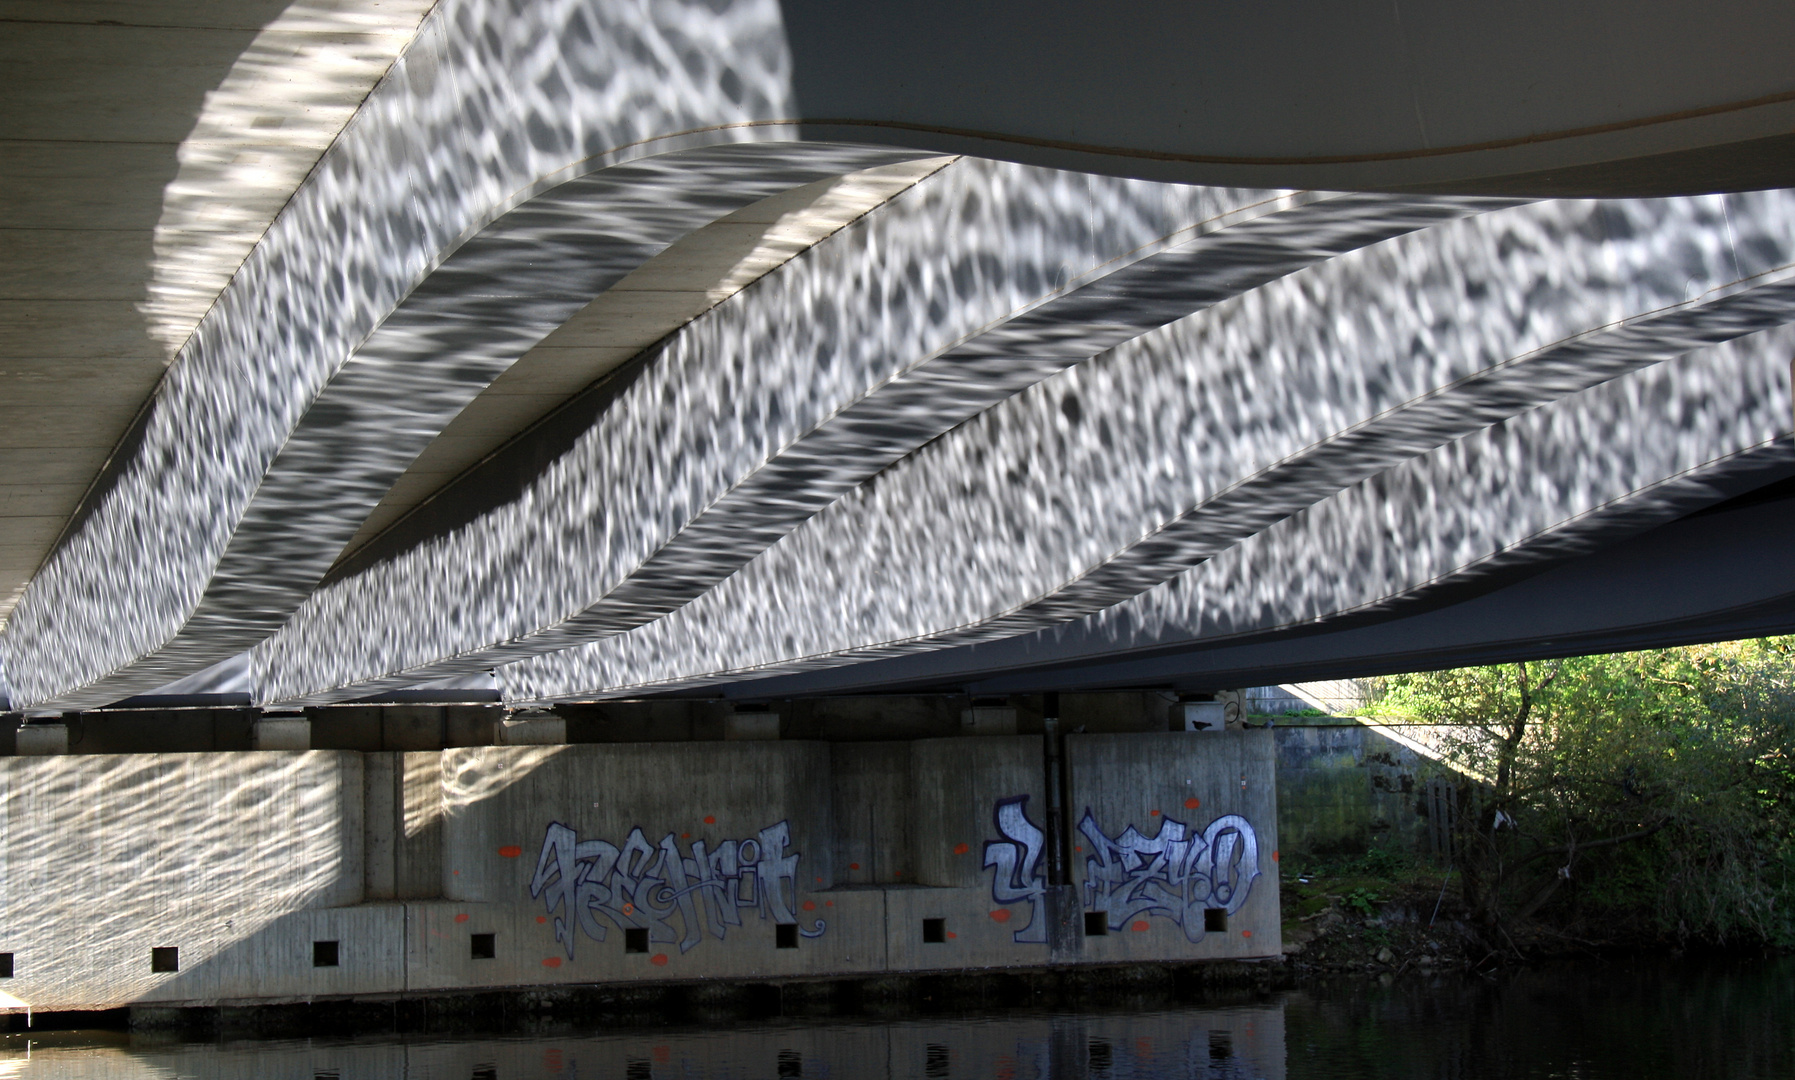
1551, 484
488, 104
175, 551
147, 148
883, 371
1632, 594
1100, 483
1568, 521
1548, 484
323, 467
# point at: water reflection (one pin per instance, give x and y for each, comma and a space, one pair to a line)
1244, 1043
1594, 1020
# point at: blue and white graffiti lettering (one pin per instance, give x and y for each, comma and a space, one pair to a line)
1016, 860
641, 886
1175, 875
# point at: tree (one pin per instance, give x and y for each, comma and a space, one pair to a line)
1648, 790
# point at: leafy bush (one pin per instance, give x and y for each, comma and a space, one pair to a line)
1384, 862
1651, 789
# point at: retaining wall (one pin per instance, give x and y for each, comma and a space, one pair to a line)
1344, 789
524, 866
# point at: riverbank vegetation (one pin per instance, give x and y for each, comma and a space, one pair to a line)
1634, 798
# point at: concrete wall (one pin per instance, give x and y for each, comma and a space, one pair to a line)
870, 789
403, 808
957, 783
1218, 788
547, 865
1343, 788
104, 857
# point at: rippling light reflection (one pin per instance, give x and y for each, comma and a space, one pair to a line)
103, 857
188, 558
973, 285
1112, 477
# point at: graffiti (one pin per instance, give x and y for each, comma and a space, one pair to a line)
1016, 859
585, 883
1176, 874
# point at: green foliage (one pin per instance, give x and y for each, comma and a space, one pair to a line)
1363, 901
1384, 862
1655, 788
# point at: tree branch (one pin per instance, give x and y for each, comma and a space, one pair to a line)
1569, 849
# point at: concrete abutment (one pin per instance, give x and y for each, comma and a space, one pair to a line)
297, 876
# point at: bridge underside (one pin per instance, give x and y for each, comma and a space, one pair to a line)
583, 351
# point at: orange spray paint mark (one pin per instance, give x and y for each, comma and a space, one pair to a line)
662, 1055
951, 934
685, 836
1152, 813
510, 851
461, 917
1192, 803
1274, 856
819, 881
551, 961
542, 918
1001, 915
828, 903
961, 849
1140, 926
710, 819
658, 959
853, 866
809, 905
1246, 933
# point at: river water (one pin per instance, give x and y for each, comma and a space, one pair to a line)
1624, 1020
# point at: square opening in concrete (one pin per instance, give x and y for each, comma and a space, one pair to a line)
1215, 920
785, 935
482, 946
934, 931
324, 954
1096, 924
5, 965
165, 959
635, 939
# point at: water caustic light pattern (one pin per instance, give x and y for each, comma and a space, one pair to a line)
1620, 1021
200, 522
980, 281
1115, 476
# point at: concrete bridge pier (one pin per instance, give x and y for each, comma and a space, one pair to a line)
875, 840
